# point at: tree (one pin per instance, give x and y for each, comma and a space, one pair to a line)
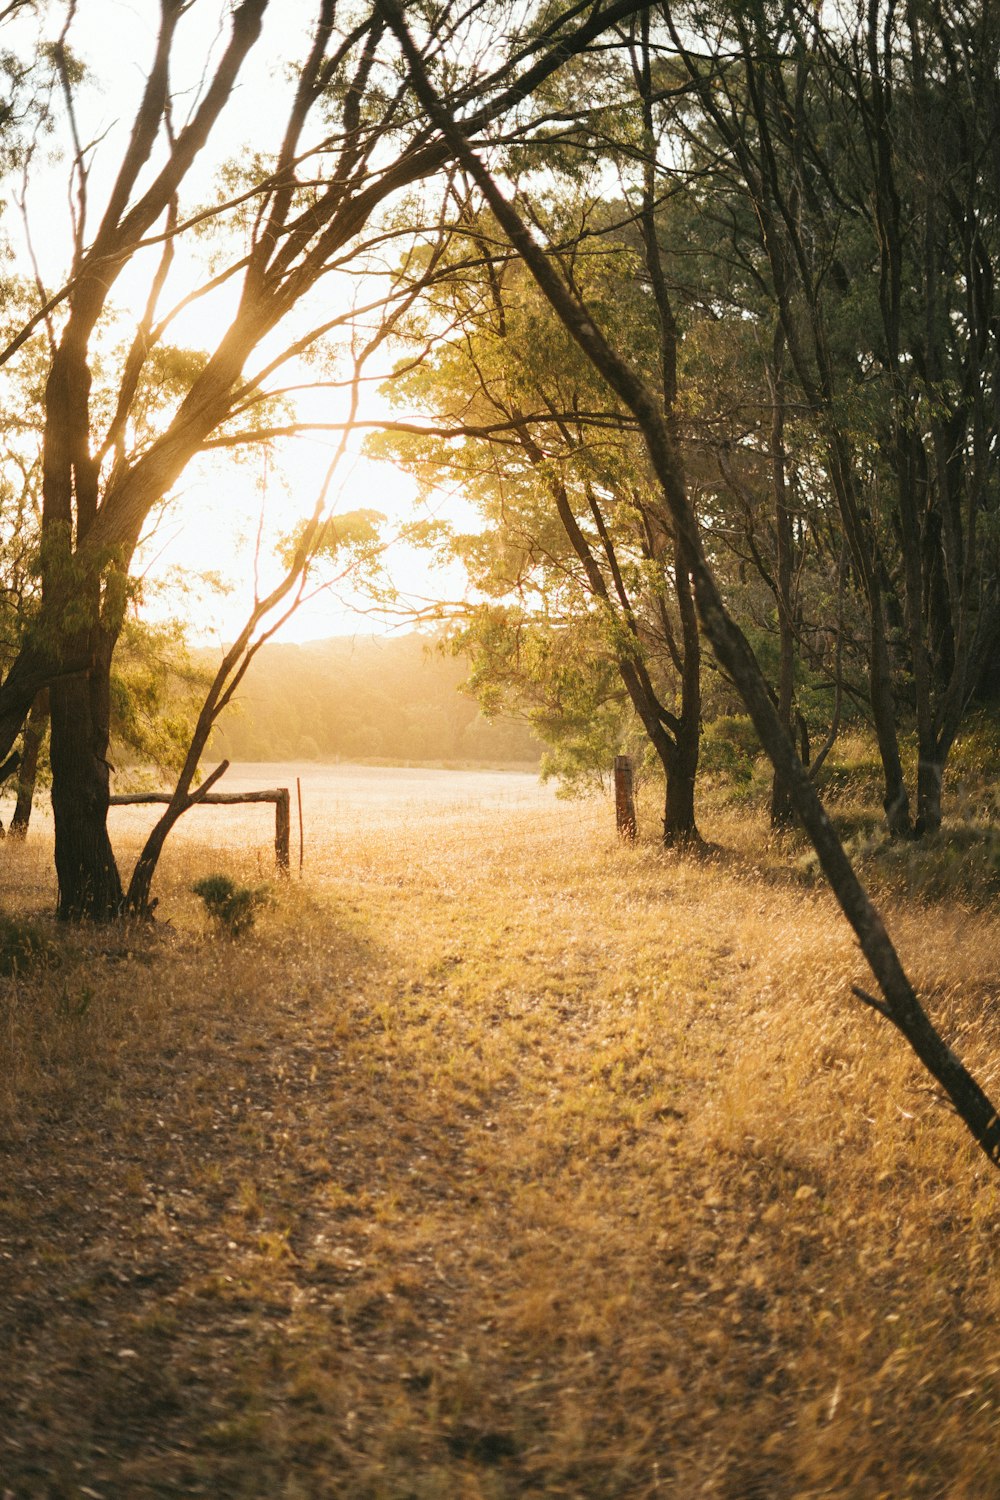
321, 538
866, 149
558, 676
286, 222
572, 520
759, 486
899, 1003
155, 687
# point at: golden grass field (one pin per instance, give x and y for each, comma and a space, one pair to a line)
499, 1160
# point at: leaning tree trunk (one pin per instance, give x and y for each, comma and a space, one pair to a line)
34, 734
89, 883
137, 899
782, 813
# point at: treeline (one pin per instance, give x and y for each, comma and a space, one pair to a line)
364, 698
750, 441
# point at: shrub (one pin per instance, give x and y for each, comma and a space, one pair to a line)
232, 907
730, 747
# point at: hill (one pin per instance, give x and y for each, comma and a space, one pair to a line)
363, 698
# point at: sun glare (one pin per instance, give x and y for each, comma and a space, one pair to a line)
215, 538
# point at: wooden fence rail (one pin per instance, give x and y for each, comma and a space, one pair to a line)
278, 795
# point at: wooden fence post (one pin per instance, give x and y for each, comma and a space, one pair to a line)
282, 831
624, 798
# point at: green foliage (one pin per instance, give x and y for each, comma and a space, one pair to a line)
170, 370
730, 747
976, 753
581, 759
355, 531
572, 545
156, 690
563, 681
231, 907
24, 945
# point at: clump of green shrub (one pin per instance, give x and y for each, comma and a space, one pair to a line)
231, 907
729, 748
24, 945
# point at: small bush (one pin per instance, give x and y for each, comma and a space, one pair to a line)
232, 908
730, 747
23, 945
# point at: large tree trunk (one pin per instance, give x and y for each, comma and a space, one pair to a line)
89, 883
679, 826
930, 780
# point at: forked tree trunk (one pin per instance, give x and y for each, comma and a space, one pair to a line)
679, 763
673, 737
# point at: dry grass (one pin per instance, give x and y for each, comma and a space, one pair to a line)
498, 1161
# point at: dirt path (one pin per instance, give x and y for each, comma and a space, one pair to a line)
517, 1174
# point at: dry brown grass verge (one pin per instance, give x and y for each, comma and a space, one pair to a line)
499, 1161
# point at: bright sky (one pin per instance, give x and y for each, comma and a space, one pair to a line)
222, 501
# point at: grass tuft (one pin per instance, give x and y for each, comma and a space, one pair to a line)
24, 945
232, 908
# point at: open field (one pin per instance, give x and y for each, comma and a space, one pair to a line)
498, 1161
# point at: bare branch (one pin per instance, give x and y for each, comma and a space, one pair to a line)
871, 1001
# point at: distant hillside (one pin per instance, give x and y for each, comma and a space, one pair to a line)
363, 698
